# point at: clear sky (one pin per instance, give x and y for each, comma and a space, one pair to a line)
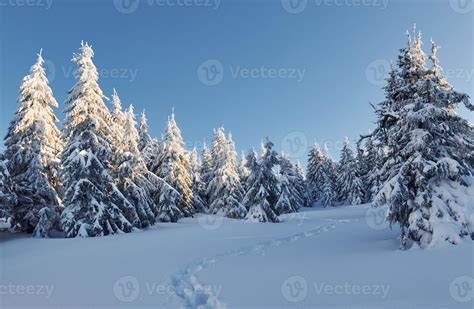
299, 72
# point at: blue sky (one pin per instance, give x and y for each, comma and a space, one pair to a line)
299, 74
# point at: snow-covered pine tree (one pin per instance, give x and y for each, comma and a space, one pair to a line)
243, 170
198, 185
118, 119
252, 165
262, 195
429, 152
93, 204
314, 176
148, 146
328, 195
206, 172
349, 186
290, 199
7, 198
172, 165
32, 152
131, 174
368, 166
300, 183
224, 189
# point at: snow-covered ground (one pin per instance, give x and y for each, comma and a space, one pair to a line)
341, 257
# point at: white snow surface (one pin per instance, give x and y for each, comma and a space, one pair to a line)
318, 258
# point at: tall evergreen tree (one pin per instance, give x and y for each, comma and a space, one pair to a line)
172, 164
206, 172
369, 166
224, 189
118, 119
314, 176
349, 185
93, 204
32, 153
290, 199
198, 185
262, 195
300, 184
132, 175
428, 151
328, 179
7, 198
243, 170
148, 146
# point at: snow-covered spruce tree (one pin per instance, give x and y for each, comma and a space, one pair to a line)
224, 189
7, 198
243, 170
131, 174
251, 162
349, 186
118, 119
262, 195
290, 199
328, 195
369, 166
429, 152
206, 172
93, 204
300, 184
314, 175
172, 165
153, 198
198, 185
32, 152
148, 146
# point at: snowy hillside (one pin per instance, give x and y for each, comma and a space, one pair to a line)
342, 257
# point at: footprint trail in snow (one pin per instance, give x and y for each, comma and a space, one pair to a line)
198, 295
